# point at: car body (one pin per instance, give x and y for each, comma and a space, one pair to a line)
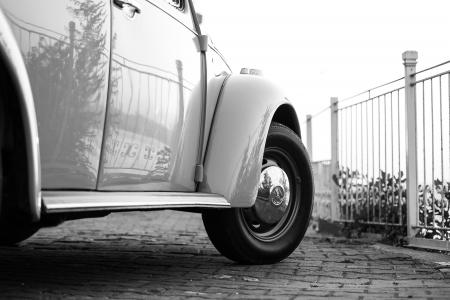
125, 105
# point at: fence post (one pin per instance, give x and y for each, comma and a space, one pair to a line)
334, 158
410, 61
309, 136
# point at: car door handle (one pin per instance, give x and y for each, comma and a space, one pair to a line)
130, 9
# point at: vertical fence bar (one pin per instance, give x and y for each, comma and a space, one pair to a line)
356, 161
424, 141
442, 153
386, 193
340, 159
367, 161
362, 158
347, 169
334, 156
400, 189
392, 161
309, 136
432, 153
379, 159
373, 164
350, 207
410, 62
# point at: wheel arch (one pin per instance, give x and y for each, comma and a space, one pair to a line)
20, 128
246, 107
286, 115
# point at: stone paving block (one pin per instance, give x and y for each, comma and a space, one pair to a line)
344, 281
167, 254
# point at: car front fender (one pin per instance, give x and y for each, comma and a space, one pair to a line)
15, 69
235, 148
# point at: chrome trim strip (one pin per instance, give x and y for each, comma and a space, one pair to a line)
81, 201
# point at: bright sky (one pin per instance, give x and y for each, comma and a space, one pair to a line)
318, 49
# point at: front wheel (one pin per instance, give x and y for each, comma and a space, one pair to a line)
274, 226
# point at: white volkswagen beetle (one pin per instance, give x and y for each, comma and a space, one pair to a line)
124, 105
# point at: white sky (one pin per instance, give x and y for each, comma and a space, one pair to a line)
318, 49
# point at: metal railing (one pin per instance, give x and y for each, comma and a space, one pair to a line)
370, 161
431, 212
390, 154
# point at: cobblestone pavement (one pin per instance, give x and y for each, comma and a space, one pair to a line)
167, 254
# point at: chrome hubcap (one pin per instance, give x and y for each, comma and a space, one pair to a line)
278, 201
273, 195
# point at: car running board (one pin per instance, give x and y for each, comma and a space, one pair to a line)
84, 201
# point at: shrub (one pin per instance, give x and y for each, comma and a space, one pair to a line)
379, 204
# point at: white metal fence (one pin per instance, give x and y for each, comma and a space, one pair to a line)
390, 155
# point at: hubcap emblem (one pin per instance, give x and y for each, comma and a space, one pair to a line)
277, 196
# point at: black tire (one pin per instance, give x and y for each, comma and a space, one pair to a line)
12, 233
236, 233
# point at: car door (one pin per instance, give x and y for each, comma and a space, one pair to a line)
66, 49
153, 118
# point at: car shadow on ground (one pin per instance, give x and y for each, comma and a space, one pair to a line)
118, 264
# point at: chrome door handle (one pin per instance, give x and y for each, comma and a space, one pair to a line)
130, 9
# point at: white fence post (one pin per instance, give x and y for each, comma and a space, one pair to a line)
309, 136
334, 158
410, 61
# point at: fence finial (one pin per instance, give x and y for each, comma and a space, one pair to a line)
410, 58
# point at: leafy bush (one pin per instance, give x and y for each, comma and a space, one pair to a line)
379, 204
365, 199
439, 194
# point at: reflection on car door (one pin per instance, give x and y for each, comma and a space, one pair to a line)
66, 48
152, 121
